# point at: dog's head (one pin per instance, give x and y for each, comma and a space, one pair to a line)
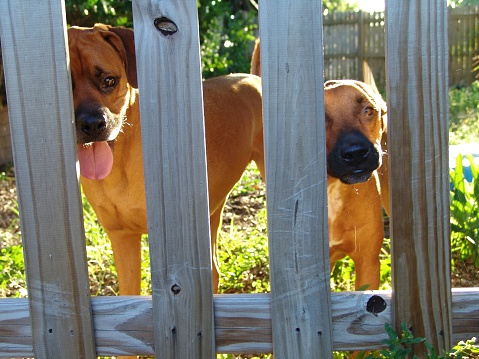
103, 68
355, 120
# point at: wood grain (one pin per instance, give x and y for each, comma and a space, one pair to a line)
293, 108
419, 172
41, 119
174, 157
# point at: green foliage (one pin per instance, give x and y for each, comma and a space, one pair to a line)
464, 114
457, 3
12, 273
466, 349
101, 269
226, 36
89, 12
243, 259
465, 211
338, 5
399, 347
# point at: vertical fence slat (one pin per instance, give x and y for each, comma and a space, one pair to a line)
293, 98
418, 146
41, 118
171, 105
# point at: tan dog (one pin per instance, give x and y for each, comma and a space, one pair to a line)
107, 119
355, 125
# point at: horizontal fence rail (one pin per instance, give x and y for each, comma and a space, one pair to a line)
242, 322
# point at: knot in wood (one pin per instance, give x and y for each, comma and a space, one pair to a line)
175, 289
376, 305
166, 26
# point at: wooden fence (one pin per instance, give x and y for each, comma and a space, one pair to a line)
300, 318
352, 38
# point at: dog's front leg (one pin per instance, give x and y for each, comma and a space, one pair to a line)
127, 254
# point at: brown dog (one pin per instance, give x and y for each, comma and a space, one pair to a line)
355, 130
107, 119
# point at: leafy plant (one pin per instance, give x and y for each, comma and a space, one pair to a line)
89, 12
465, 211
400, 346
12, 275
244, 259
226, 36
466, 349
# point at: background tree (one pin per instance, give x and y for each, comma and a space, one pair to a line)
456, 3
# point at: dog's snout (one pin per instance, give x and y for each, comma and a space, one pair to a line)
355, 153
353, 158
92, 125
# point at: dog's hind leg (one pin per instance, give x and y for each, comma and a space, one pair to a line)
258, 155
127, 254
215, 222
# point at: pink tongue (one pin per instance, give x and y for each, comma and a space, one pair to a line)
96, 160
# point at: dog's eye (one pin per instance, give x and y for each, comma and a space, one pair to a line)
369, 111
109, 81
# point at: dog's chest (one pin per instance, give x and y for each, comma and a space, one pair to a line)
335, 200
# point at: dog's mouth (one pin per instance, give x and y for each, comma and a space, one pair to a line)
97, 128
357, 176
96, 159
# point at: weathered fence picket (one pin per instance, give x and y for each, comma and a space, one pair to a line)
171, 106
35, 54
416, 39
300, 318
293, 115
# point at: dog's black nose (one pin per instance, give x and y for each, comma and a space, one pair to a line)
355, 154
92, 125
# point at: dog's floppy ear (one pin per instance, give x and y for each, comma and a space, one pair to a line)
122, 39
373, 94
383, 107
256, 59
331, 83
